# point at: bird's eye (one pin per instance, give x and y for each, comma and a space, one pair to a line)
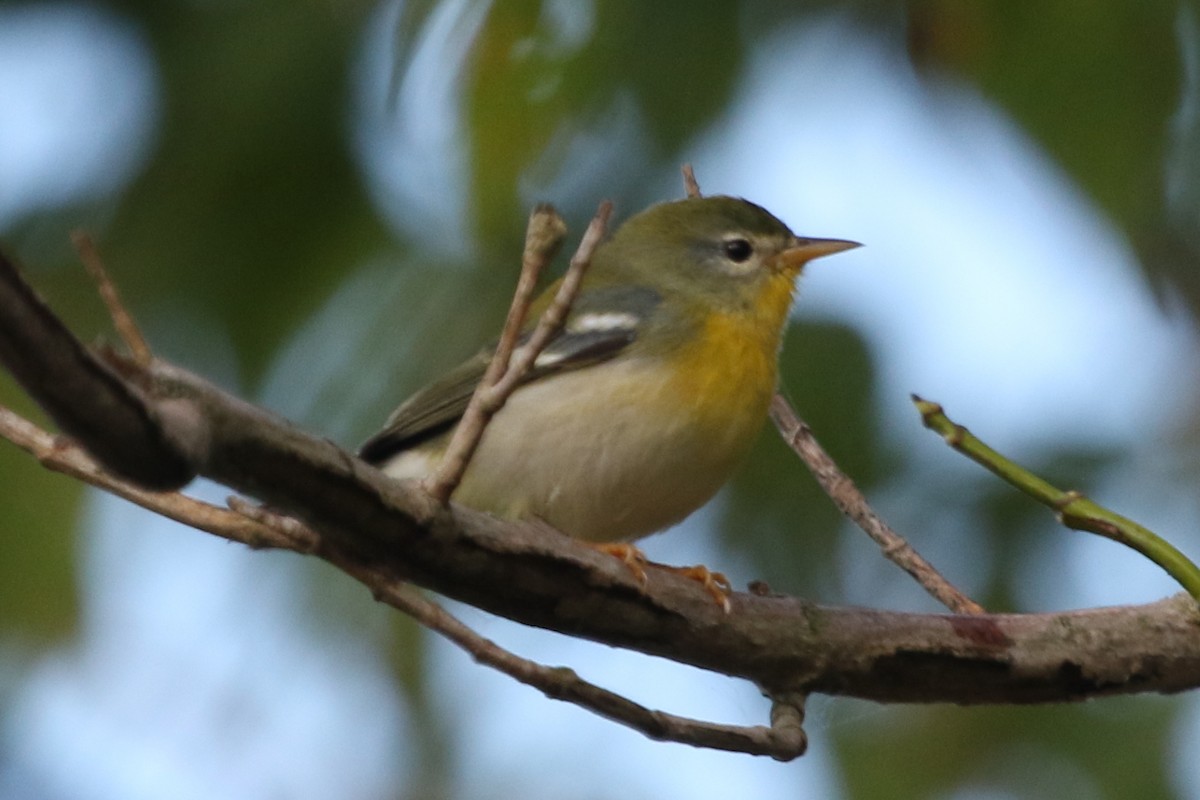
737, 250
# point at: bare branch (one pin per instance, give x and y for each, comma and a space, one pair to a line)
533, 575
880, 655
850, 501
60, 455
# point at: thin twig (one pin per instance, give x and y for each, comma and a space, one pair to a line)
690, 186
543, 237
562, 683
851, 502
1073, 509
122, 320
62, 455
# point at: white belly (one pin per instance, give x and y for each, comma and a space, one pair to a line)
611, 464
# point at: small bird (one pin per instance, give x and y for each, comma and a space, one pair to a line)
637, 412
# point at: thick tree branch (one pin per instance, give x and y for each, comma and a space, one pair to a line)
533, 575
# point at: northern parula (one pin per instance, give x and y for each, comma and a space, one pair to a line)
638, 411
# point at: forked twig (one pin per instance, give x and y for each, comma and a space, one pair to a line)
510, 364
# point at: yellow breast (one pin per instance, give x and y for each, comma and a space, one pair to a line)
729, 371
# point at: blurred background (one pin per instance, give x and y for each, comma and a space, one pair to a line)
320, 205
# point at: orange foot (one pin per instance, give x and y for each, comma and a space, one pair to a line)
715, 583
631, 556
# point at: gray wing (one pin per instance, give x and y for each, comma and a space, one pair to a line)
603, 322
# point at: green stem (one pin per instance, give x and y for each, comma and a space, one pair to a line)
1073, 509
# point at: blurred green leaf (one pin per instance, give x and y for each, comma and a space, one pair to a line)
1029, 752
537, 76
251, 207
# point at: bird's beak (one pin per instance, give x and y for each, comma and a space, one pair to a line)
804, 250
